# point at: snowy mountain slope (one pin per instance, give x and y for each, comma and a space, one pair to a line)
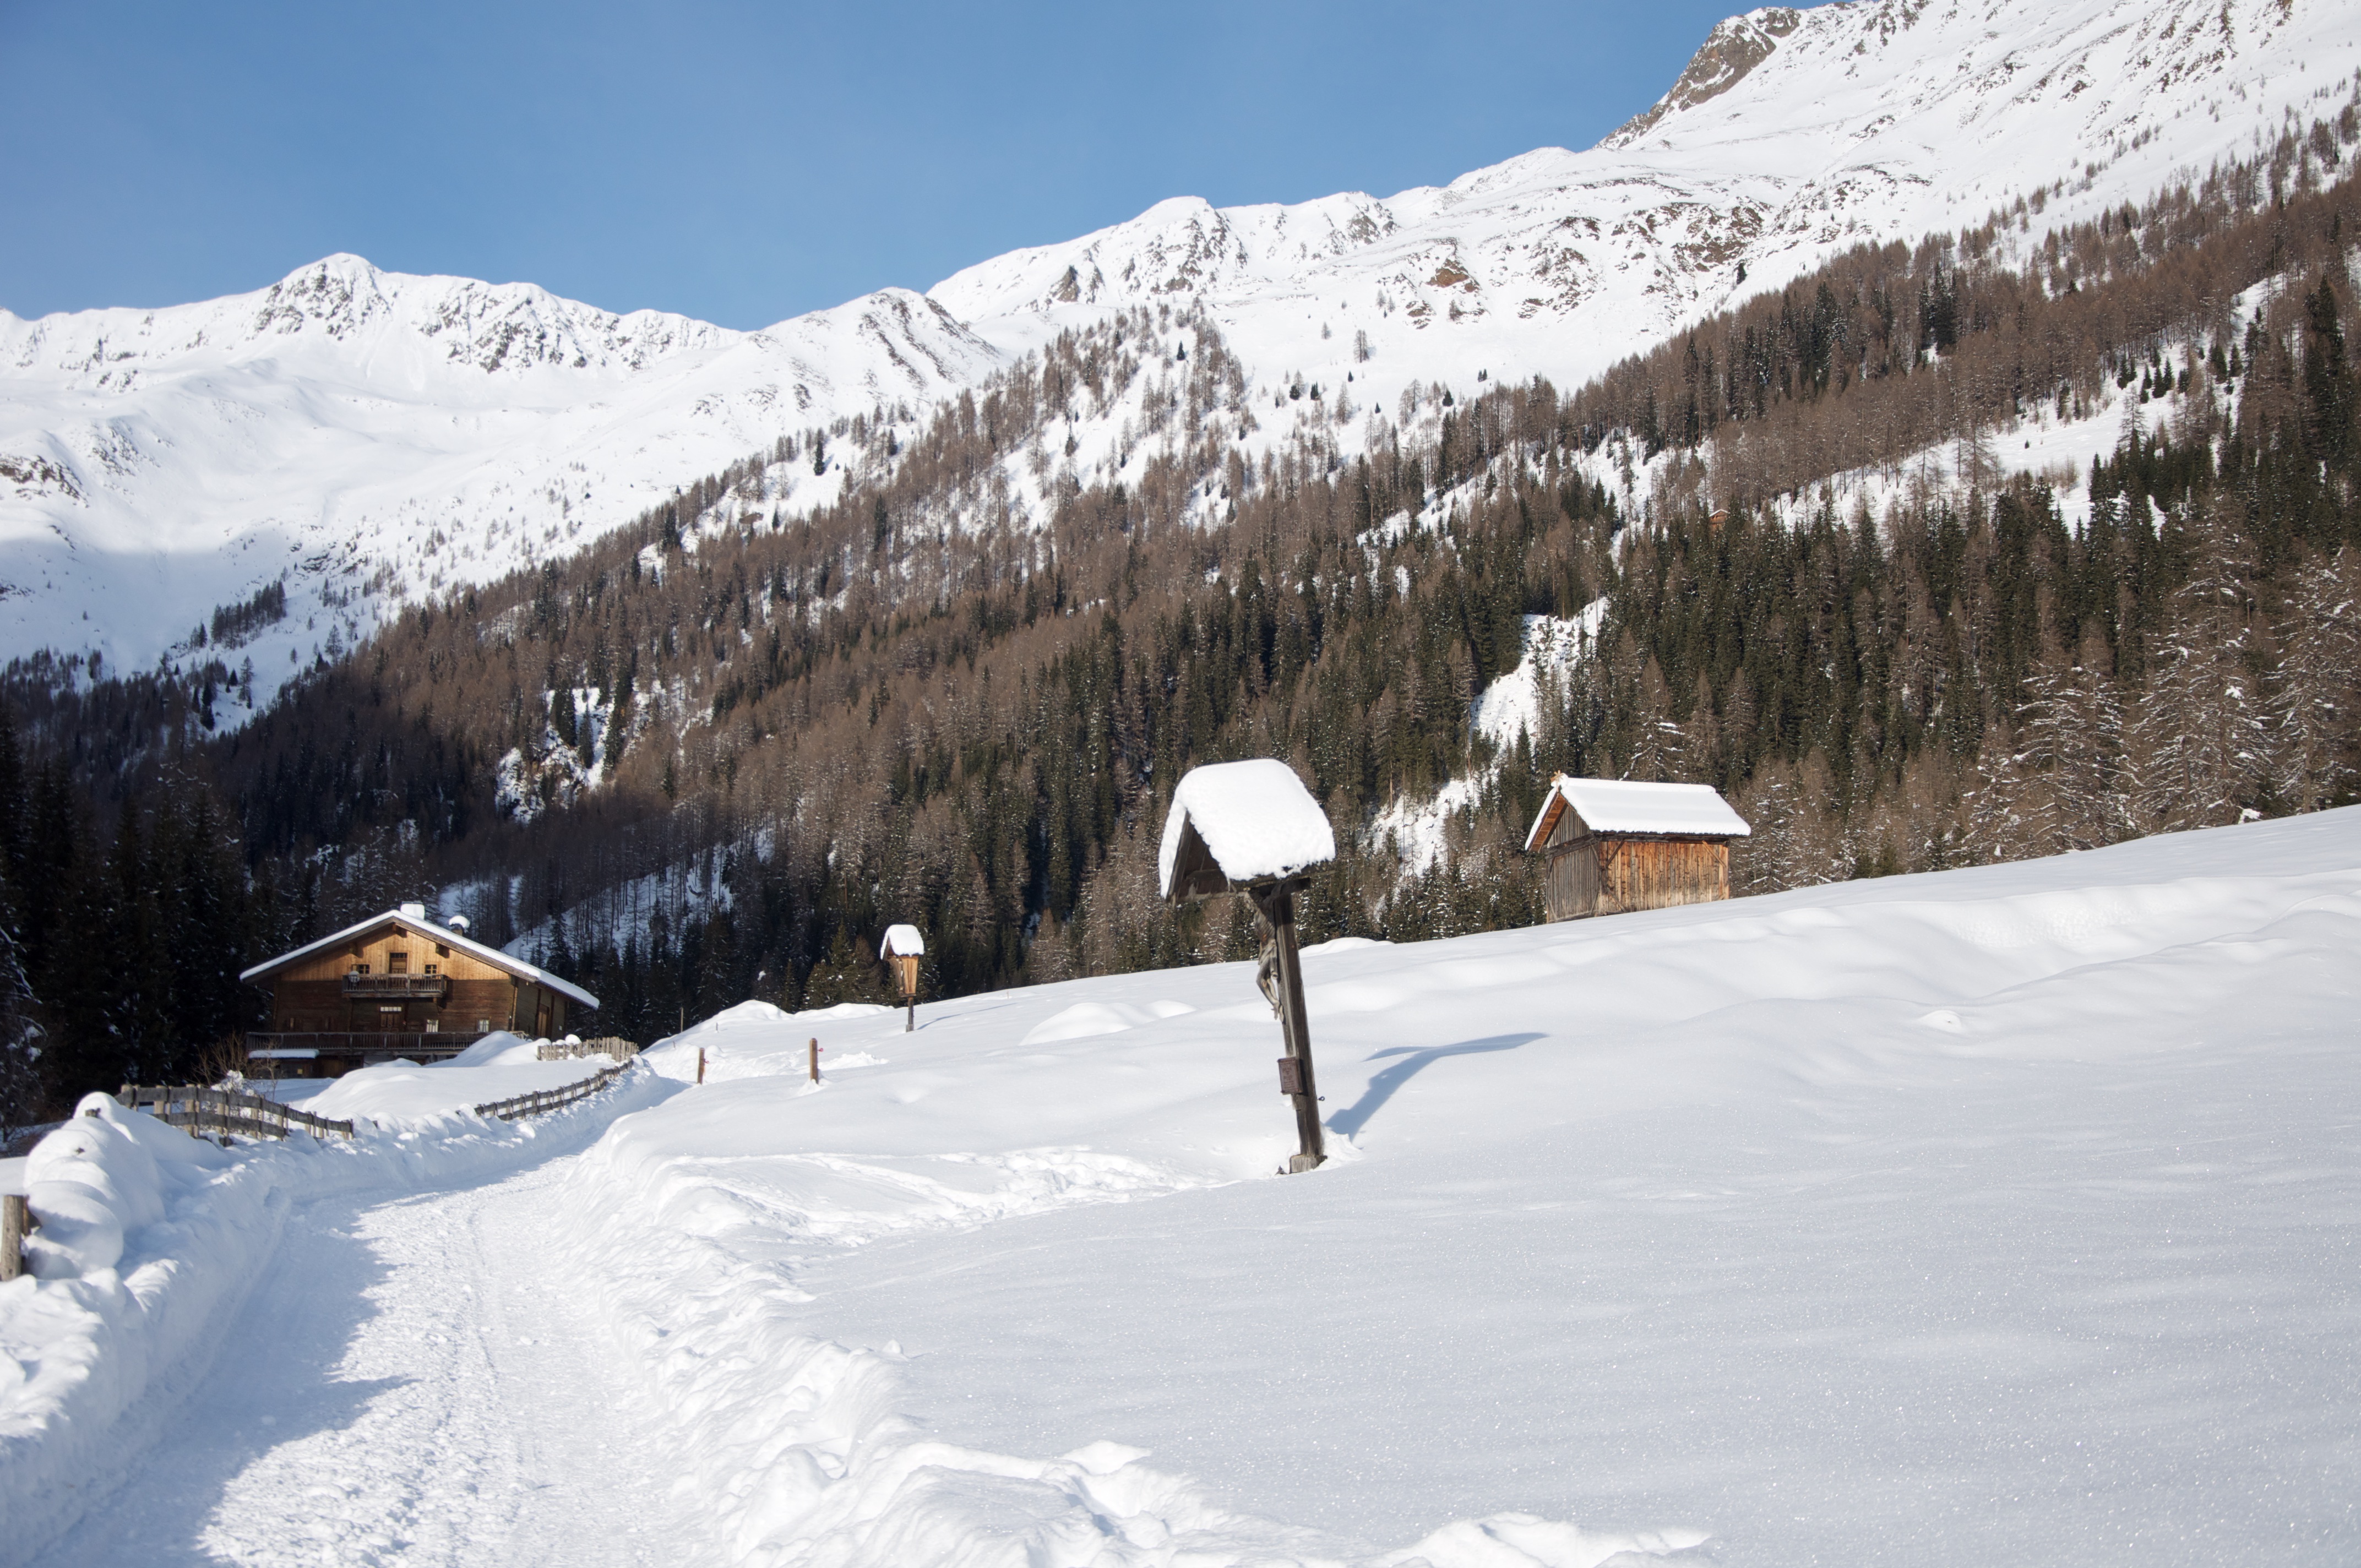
370, 436
2000, 1215
1793, 135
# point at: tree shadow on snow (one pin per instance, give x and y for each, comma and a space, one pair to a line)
1354, 1117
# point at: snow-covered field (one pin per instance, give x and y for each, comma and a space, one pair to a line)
1997, 1216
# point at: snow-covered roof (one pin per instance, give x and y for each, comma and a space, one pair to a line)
422, 926
1624, 806
1256, 819
904, 940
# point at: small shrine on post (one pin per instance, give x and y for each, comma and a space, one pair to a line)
1253, 828
903, 948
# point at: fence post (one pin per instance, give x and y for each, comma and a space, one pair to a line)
700, 1064
16, 1220
815, 1062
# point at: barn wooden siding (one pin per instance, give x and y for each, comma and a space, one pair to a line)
1601, 874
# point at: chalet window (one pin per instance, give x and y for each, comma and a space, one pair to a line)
433, 969
360, 968
397, 963
484, 1025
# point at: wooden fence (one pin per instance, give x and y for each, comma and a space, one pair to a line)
545, 1100
612, 1046
203, 1110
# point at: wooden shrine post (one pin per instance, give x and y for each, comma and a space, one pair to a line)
1280, 975
1252, 828
906, 970
903, 948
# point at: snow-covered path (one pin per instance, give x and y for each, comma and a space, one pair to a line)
415, 1381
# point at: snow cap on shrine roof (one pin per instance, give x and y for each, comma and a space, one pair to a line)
1625, 806
903, 941
1241, 823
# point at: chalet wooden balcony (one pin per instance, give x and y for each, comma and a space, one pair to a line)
430, 987
416, 1044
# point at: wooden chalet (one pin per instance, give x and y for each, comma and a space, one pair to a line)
398, 985
1616, 846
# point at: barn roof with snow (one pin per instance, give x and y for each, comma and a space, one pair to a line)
1625, 808
1236, 824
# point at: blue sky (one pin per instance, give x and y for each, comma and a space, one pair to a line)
742, 162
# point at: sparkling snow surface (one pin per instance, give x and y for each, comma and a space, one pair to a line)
2005, 1215
1255, 817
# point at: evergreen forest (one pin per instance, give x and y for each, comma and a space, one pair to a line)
714, 754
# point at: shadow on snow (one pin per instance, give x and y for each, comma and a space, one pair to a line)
1354, 1117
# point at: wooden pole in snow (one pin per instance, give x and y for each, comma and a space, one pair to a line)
906, 970
1275, 903
1252, 828
15, 1221
700, 1064
815, 1062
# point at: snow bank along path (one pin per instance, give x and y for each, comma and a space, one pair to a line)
406, 1383
2002, 1215
149, 1243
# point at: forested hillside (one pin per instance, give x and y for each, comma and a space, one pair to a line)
711, 757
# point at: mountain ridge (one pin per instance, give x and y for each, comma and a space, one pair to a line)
366, 437
369, 437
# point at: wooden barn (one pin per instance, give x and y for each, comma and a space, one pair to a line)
398, 985
1616, 846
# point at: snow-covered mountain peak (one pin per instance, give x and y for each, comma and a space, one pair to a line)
1791, 134
342, 303
1735, 46
364, 436
369, 435
336, 294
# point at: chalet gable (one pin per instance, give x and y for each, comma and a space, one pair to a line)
410, 921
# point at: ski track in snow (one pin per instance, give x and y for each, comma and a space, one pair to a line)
415, 1381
